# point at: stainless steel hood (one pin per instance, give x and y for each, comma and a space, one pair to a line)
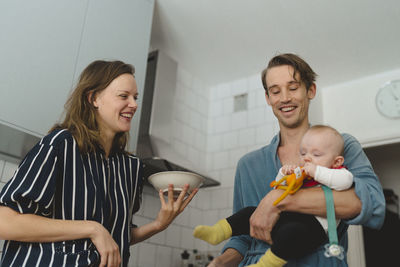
15, 143
156, 119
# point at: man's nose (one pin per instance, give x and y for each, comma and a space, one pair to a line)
285, 96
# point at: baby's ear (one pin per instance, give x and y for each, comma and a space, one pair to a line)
338, 161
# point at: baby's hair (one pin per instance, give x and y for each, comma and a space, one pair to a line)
337, 136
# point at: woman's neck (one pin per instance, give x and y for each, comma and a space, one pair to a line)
106, 142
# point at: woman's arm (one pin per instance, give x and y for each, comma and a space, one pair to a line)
168, 212
34, 228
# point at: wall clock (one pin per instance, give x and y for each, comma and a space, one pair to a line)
387, 99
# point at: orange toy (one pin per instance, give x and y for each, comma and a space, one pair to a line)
293, 183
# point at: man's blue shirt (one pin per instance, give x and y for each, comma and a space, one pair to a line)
257, 169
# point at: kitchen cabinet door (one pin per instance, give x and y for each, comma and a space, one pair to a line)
39, 47
46, 44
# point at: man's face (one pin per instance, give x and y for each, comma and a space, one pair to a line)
288, 96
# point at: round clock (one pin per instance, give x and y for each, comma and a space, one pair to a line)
388, 99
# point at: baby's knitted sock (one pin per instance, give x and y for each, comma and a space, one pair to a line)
269, 260
214, 234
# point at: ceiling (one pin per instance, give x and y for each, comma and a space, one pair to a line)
225, 40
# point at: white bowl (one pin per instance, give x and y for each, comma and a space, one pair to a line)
161, 180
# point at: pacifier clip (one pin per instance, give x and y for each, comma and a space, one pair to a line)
332, 249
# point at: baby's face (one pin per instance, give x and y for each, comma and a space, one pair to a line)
318, 148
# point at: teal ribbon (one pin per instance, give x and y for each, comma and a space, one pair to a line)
332, 249
330, 215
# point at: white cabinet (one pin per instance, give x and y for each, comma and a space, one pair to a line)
46, 44
39, 46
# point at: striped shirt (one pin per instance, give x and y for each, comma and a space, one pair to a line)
56, 181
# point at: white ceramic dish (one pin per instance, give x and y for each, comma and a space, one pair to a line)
161, 180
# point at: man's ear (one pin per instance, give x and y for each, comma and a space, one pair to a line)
312, 91
339, 160
267, 98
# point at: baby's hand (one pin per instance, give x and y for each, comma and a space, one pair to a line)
310, 168
288, 169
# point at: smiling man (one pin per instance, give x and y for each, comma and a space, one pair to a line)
289, 84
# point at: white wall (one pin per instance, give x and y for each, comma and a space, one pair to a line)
350, 107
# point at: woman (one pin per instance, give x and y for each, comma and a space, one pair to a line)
71, 200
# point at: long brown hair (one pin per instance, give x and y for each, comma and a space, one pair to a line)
80, 114
307, 75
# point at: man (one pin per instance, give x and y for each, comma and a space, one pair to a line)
289, 85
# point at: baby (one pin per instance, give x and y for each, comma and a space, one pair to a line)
295, 234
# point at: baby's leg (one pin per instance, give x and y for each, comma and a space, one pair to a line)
237, 224
240, 221
294, 236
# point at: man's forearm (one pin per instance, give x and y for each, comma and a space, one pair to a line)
312, 201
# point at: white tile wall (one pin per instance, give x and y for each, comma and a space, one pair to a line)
2, 162
146, 254
239, 120
1, 246
173, 236
8, 171
164, 256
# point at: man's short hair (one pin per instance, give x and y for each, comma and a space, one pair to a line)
307, 75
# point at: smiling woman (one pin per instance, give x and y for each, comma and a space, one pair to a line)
72, 198
115, 107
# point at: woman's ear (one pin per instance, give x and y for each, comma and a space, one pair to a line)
92, 99
339, 160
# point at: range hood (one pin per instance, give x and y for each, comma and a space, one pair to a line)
153, 146
15, 143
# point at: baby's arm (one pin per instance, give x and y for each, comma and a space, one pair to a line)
337, 179
285, 170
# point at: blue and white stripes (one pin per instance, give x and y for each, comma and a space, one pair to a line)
56, 181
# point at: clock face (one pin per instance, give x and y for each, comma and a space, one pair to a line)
388, 99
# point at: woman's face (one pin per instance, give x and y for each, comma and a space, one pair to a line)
116, 105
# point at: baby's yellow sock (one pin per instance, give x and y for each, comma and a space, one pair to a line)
269, 260
214, 234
